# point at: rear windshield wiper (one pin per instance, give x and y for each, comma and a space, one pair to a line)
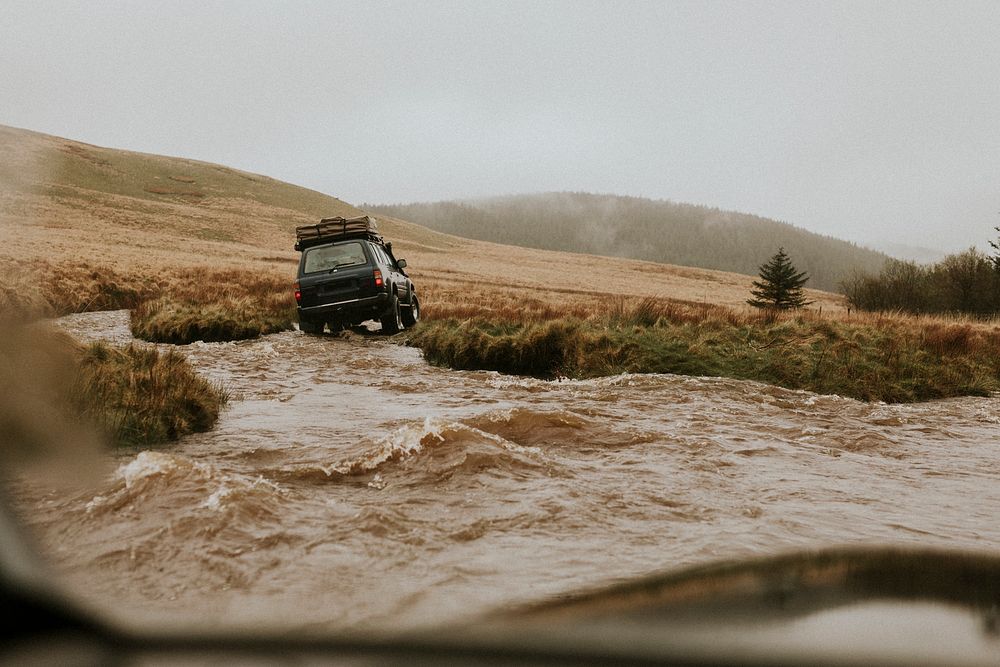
340, 264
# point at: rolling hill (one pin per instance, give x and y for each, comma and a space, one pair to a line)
67, 203
637, 228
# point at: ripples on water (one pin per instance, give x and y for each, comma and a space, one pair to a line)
351, 484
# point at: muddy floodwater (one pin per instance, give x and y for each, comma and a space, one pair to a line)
350, 484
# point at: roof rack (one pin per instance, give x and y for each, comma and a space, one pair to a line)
329, 230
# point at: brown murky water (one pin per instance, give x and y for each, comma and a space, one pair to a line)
351, 484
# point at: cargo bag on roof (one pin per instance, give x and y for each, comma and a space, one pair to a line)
329, 230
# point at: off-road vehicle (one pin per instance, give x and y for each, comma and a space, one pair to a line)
348, 274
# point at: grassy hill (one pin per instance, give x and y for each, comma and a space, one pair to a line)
57, 193
204, 252
67, 206
659, 231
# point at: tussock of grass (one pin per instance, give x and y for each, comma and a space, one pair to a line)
57, 388
167, 320
870, 358
140, 396
215, 305
539, 349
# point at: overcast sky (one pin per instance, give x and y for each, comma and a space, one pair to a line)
871, 121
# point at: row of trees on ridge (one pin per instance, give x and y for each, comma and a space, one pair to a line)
967, 282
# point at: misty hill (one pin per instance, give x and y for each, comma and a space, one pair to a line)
653, 230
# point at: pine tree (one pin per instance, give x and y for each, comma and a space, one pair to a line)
780, 286
996, 246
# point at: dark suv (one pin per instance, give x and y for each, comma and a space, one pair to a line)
348, 274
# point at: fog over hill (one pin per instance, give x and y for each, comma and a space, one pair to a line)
912, 253
634, 227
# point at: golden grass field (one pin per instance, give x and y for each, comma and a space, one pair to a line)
200, 251
65, 205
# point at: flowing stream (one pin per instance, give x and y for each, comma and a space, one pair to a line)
350, 484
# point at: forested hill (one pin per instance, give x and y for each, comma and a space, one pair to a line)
655, 230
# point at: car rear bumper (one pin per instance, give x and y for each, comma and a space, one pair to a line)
371, 306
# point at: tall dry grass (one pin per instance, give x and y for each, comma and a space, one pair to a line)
58, 392
139, 396
523, 330
178, 306
169, 320
887, 357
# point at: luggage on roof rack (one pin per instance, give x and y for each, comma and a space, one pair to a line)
329, 230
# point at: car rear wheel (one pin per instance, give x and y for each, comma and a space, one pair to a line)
392, 321
305, 326
411, 314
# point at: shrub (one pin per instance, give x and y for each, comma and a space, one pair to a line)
966, 282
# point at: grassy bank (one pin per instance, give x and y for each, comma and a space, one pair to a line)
892, 359
212, 306
178, 306
56, 387
168, 320
140, 396
136, 396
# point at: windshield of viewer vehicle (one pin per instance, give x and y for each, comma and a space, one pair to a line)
686, 284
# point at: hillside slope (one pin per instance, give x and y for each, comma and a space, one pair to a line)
659, 231
66, 203
66, 200
58, 193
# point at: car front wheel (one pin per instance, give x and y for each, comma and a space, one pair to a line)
411, 314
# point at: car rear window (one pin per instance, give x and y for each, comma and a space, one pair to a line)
330, 257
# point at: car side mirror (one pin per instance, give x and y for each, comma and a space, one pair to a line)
401, 263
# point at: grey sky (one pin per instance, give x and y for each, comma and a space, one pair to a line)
871, 121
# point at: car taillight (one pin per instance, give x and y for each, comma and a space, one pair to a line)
298, 293
378, 278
